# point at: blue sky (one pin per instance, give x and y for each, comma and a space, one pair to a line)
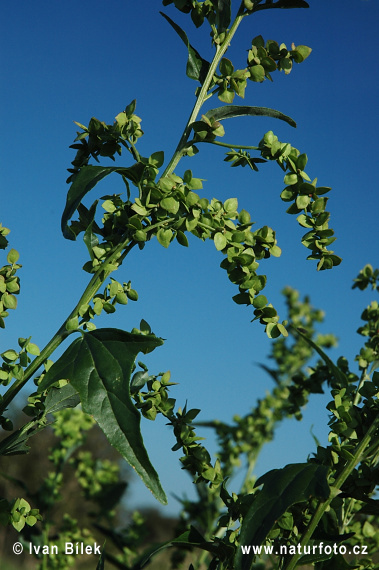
70, 61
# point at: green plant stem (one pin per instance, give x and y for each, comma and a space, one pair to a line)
250, 470
93, 286
203, 95
359, 454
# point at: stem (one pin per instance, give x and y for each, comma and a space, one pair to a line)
250, 470
322, 507
203, 95
93, 286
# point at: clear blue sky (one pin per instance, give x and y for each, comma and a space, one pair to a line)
73, 60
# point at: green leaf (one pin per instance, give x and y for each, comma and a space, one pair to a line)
195, 184
300, 53
15, 444
170, 204
257, 73
90, 239
231, 205
197, 67
138, 381
84, 181
219, 241
322, 190
272, 330
140, 235
191, 223
182, 238
268, 64
13, 256
192, 198
33, 349
129, 109
304, 51
132, 295
319, 205
18, 525
290, 179
10, 354
9, 301
226, 95
139, 209
99, 365
282, 488
305, 221
164, 237
258, 41
301, 201
157, 158
223, 15
226, 66
122, 298
282, 329
259, 302
242, 299
145, 328
59, 398
238, 237
276, 251
301, 161
12, 285
230, 111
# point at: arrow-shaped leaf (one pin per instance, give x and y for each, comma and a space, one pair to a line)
99, 365
197, 67
84, 181
282, 488
224, 15
230, 111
